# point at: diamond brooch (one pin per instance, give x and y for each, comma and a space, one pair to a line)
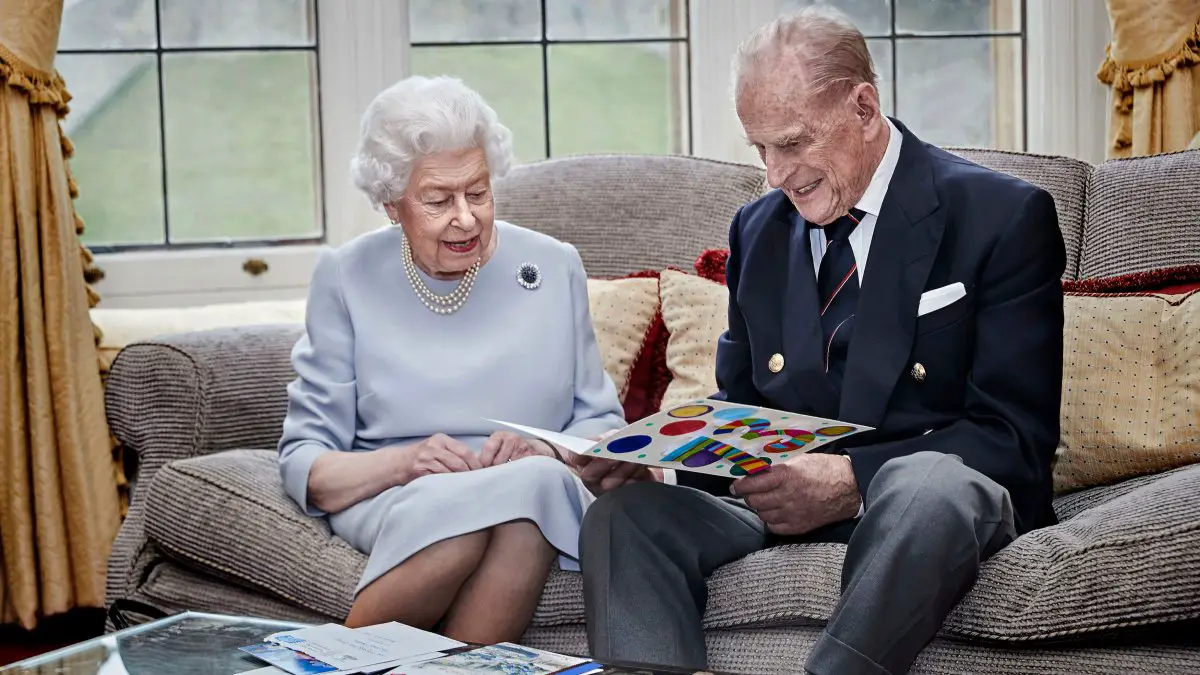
529, 276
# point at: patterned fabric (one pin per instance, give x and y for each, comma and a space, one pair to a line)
622, 310
695, 312
1065, 179
837, 287
1142, 215
627, 213
1131, 388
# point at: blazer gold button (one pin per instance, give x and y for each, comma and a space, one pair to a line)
918, 372
776, 363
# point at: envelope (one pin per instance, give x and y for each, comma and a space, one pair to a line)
931, 301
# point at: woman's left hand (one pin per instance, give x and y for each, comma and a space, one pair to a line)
506, 446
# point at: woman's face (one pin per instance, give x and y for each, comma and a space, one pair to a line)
447, 212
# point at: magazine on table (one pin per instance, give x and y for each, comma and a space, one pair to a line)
334, 649
708, 436
504, 658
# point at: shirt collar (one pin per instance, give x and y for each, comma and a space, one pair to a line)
872, 199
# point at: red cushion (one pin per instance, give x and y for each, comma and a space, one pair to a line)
1169, 280
711, 264
649, 376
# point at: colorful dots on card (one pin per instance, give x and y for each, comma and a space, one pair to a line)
688, 411
643, 456
629, 444
682, 427
734, 413
836, 430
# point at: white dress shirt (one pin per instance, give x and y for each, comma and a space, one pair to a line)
860, 239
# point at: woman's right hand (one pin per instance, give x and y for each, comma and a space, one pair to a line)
437, 454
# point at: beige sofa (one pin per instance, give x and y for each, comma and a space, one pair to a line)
1114, 588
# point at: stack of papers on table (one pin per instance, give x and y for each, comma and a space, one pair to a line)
504, 658
333, 649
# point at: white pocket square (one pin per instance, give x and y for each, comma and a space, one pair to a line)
940, 297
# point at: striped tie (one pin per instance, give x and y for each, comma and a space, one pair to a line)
837, 286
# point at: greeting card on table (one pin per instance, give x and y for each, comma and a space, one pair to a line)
708, 436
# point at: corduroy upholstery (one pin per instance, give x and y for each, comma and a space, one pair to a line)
1108, 590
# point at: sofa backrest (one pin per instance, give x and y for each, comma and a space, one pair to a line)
1143, 213
1064, 178
627, 213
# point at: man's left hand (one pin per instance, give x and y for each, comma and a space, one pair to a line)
803, 494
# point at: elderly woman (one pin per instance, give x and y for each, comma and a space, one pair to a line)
416, 335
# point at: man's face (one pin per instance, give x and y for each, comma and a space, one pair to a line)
815, 148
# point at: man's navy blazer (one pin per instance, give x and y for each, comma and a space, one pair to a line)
991, 361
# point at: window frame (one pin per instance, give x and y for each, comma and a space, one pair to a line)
363, 47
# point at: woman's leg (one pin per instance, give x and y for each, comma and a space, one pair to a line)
498, 601
418, 591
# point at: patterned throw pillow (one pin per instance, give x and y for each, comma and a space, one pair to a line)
623, 311
1131, 387
695, 311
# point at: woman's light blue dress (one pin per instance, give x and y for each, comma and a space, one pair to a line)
375, 368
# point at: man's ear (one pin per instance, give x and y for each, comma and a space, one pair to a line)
866, 101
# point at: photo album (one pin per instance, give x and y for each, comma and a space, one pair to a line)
708, 436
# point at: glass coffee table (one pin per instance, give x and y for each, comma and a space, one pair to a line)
191, 643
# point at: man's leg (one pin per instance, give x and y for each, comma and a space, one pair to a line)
930, 521
646, 551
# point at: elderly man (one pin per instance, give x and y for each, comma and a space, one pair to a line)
883, 282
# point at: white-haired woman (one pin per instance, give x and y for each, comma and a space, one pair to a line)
416, 335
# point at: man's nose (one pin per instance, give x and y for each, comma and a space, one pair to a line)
779, 169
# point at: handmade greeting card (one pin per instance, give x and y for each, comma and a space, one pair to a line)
707, 436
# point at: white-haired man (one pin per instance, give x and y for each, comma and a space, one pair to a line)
883, 282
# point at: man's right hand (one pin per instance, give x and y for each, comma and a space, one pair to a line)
437, 454
602, 475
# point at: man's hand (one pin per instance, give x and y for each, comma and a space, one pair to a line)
505, 446
602, 475
801, 495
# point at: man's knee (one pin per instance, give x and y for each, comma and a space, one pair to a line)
939, 483
628, 507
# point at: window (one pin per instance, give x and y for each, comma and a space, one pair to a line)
196, 124
566, 76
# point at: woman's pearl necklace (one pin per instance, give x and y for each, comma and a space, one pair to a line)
439, 304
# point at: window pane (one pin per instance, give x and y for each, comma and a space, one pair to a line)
107, 24
597, 106
240, 145
958, 15
616, 19
508, 77
118, 163
236, 23
961, 91
881, 54
474, 20
871, 16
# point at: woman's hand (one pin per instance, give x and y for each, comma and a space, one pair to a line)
506, 446
437, 454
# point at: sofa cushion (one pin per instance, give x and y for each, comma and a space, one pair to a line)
1064, 178
226, 515
1127, 561
1131, 387
695, 312
627, 213
1142, 215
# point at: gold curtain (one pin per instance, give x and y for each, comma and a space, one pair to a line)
1152, 66
59, 507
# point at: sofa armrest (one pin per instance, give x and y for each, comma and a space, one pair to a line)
198, 393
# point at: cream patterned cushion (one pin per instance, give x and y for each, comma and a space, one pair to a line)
622, 310
1131, 387
695, 311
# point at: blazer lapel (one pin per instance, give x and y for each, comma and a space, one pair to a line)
804, 372
904, 246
